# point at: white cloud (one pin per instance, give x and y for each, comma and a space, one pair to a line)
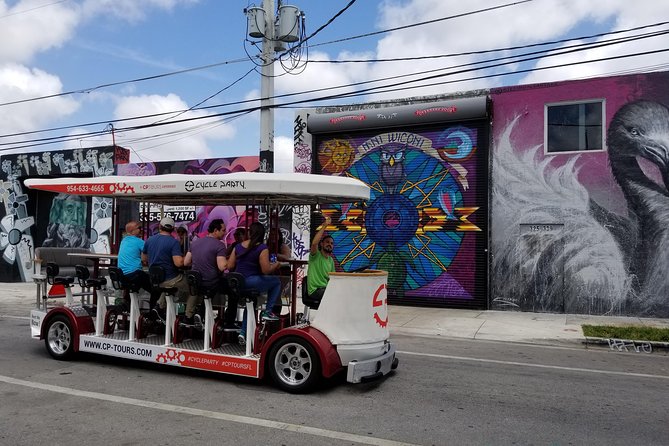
251, 96
29, 27
18, 83
511, 26
187, 140
627, 15
283, 154
24, 33
130, 10
319, 75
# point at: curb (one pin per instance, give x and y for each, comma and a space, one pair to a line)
625, 345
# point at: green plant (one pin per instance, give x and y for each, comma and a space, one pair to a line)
632, 332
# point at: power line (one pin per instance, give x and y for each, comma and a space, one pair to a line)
528, 70
427, 22
216, 64
322, 27
209, 97
379, 89
583, 46
510, 48
4, 16
513, 59
113, 84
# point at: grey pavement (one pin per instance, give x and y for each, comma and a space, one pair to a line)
17, 299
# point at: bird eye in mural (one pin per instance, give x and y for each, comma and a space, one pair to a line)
416, 220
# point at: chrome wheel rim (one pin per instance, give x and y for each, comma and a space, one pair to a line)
293, 364
59, 337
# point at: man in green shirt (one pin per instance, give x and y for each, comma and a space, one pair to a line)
321, 263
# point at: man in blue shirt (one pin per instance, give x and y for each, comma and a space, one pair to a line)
130, 259
163, 250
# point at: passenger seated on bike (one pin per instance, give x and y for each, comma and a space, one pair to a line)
163, 250
321, 262
207, 257
240, 236
277, 244
251, 259
130, 260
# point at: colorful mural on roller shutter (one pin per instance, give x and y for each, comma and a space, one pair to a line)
425, 219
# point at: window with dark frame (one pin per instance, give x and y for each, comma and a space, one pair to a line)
574, 127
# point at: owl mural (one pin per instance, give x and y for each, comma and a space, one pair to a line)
392, 165
413, 226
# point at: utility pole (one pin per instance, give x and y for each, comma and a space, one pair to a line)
263, 23
267, 91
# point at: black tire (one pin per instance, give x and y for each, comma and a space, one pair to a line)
59, 338
294, 365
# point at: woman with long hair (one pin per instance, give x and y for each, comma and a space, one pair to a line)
250, 258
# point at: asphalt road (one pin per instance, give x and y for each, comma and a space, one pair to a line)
445, 392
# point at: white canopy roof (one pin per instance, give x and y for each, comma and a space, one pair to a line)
232, 189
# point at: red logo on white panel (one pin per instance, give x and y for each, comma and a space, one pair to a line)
378, 302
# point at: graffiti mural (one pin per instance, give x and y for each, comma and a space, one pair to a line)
233, 217
16, 241
70, 222
583, 232
423, 222
67, 222
302, 163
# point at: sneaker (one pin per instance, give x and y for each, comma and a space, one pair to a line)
269, 316
241, 339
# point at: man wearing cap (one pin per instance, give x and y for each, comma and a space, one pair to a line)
163, 250
130, 259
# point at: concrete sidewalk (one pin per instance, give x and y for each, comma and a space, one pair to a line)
535, 328
17, 299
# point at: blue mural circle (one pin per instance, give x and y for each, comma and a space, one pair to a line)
391, 220
410, 220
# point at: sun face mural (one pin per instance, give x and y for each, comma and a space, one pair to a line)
418, 217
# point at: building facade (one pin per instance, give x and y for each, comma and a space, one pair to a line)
579, 196
426, 221
546, 198
574, 175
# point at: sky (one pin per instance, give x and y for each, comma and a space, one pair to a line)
198, 50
